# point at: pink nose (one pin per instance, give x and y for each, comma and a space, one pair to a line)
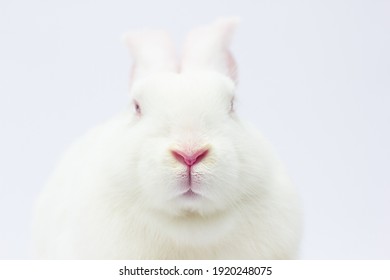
190, 159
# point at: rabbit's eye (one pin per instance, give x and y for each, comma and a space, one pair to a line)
137, 108
231, 105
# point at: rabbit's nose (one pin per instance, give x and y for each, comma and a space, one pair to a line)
190, 159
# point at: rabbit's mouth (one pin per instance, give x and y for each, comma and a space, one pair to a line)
190, 194
190, 187
190, 183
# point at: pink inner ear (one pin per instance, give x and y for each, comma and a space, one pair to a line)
206, 49
232, 66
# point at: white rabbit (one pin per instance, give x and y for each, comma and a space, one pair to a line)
178, 177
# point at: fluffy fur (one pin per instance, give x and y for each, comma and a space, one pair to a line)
118, 192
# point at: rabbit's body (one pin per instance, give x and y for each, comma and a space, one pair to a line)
127, 191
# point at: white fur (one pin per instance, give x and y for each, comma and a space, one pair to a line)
117, 193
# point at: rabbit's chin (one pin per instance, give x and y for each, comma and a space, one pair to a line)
194, 222
189, 203
193, 202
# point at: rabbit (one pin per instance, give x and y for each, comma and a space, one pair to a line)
178, 175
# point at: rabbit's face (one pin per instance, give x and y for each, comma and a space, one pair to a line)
187, 157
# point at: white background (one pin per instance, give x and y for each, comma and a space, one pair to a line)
314, 77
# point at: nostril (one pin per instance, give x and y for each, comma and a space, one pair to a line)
179, 156
200, 155
190, 159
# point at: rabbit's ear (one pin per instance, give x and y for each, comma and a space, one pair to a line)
207, 48
152, 52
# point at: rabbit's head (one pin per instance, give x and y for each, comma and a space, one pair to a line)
188, 157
